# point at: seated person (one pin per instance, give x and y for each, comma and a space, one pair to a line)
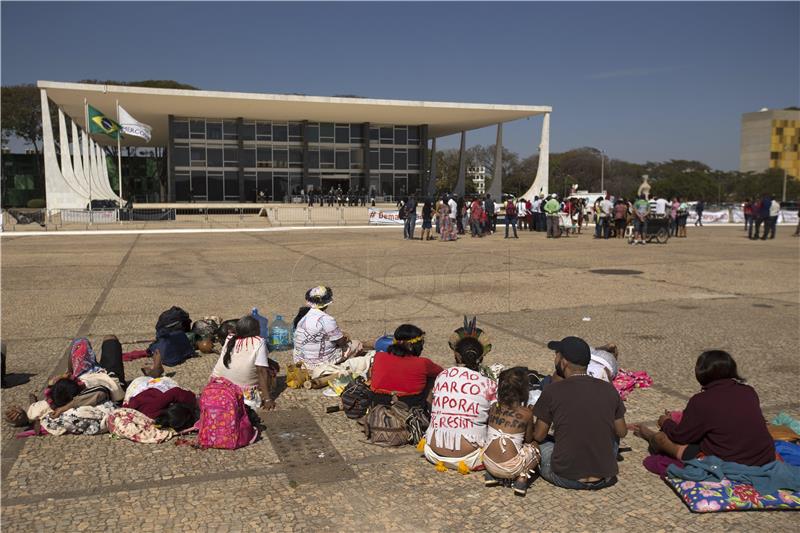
400, 370
163, 400
471, 329
724, 419
509, 453
319, 343
66, 392
461, 398
243, 361
170, 348
588, 417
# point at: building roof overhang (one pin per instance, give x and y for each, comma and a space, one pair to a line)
153, 107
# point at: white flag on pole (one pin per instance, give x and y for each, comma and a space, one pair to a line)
131, 126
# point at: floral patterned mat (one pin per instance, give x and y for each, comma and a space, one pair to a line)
725, 495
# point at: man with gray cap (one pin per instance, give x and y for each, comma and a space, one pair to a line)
588, 417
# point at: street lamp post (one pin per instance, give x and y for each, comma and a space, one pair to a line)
602, 171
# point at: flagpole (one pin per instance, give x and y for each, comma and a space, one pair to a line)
86, 117
119, 156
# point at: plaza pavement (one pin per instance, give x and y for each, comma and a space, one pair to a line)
311, 471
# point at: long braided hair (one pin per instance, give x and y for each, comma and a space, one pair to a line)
247, 326
470, 351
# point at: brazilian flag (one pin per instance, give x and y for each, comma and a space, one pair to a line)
99, 123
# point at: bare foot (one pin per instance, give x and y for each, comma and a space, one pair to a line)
644, 432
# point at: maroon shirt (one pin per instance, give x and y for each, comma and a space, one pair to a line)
726, 419
152, 401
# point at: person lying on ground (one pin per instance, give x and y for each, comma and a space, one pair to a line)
243, 361
510, 453
161, 399
64, 393
460, 402
319, 343
724, 419
82, 359
588, 418
401, 371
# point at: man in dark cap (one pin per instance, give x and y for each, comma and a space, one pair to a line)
588, 417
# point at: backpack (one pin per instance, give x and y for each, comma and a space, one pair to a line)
174, 319
511, 210
356, 398
402, 213
224, 422
386, 425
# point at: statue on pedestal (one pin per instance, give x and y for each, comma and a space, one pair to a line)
644, 188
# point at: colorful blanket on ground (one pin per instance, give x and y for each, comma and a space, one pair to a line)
84, 420
132, 425
626, 381
726, 495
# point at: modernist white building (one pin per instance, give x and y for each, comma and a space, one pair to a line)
229, 147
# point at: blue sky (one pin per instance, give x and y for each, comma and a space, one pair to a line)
642, 81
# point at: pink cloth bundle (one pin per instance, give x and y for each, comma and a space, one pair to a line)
626, 381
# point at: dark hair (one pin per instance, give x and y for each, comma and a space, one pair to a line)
303, 311
247, 326
512, 386
178, 416
713, 365
63, 391
403, 333
470, 350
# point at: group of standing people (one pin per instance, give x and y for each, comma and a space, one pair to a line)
763, 212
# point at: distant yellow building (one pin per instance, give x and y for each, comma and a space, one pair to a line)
771, 139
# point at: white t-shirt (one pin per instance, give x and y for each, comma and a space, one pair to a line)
314, 339
521, 210
601, 361
606, 206
460, 408
453, 208
247, 354
774, 208
661, 206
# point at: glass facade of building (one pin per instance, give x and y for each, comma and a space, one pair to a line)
233, 160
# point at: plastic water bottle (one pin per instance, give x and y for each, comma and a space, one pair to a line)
280, 334
263, 323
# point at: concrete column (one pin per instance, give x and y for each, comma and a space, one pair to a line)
460, 188
431, 186
239, 128
496, 190
59, 195
423, 159
365, 181
303, 126
66, 160
77, 160
540, 184
171, 160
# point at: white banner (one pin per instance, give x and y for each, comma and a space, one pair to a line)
388, 217
131, 126
784, 216
84, 216
710, 217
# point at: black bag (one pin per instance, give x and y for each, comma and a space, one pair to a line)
174, 319
356, 398
205, 329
